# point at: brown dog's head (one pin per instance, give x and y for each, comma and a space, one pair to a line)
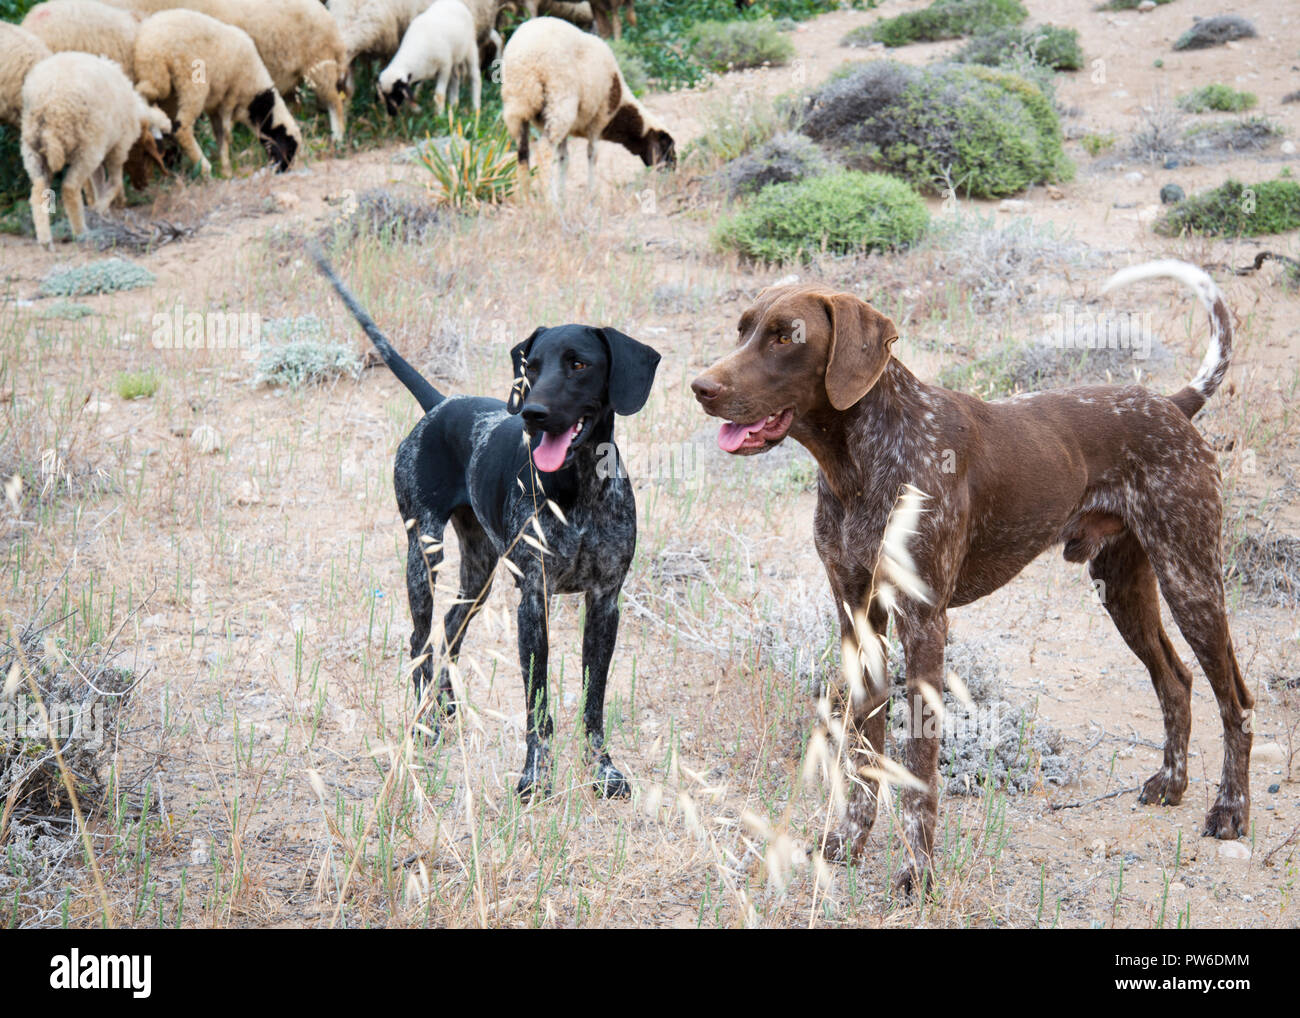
802, 351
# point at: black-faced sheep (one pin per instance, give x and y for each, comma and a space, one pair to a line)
568, 83
20, 51
80, 113
439, 44
192, 64
88, 27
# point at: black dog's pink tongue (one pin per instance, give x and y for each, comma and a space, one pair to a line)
551, 450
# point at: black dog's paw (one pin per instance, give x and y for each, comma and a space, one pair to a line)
535, 780
610, 783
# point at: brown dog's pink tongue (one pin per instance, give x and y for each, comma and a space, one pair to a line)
732, 436
550, 452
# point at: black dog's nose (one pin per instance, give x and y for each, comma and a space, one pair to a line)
705, 388
534, 414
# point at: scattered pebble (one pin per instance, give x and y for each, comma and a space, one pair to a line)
286, 200
1288, 148
1275, 789
206, 439
1233, 850
1171, 194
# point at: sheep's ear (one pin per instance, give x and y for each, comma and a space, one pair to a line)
631, 371
519, 357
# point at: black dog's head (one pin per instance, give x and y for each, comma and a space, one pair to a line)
280, 145
569, 379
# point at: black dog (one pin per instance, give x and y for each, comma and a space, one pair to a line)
475, 461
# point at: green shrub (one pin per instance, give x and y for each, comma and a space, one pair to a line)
302, 353
839, 212
989, 132
1215, 31
136, 384
1044, 45
1221, 98
735, 45
1096, 144
1127, 5
68, 311
943, 19
106, 276
475, 165
784, 158
1234, 210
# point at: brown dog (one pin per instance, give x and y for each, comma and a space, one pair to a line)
1117, 473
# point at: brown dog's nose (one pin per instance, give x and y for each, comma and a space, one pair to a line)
705, 388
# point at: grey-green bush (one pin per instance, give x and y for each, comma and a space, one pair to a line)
105, 276
785, 158
1044, 45
990, 132
733, 45
943, 19
841, 212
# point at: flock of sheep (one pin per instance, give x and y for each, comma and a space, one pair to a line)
93, 83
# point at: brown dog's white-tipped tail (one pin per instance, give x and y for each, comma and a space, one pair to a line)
1191, 397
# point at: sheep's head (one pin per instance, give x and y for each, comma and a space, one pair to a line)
395, 93
629, 128
153, 121
275, 128
660, 149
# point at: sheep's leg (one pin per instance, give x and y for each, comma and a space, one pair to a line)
475, 86
74, 180
41, 200
440, 90
112, 170
188, 110
324, 78
559, 177
453, 89
591, 164
222, 126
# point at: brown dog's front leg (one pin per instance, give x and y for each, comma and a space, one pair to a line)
923, 640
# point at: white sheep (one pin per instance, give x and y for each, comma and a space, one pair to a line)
192, 64
439, 44
298, 40
20, 51
568, 83
79, 112
374, 28
88, 27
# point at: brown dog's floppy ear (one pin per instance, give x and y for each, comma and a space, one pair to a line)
860, 340
519, 358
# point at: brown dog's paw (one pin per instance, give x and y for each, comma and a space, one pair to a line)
911, 879
1227, 819
1161, 790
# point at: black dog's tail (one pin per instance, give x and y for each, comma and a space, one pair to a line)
428, 396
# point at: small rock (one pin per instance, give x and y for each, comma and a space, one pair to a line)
1054, 192
1267, 752
789, 280
1172, 164
1012, 205
206, 439
250, 493
1146, 5
287, 200
1171, 194
1274, 789
1134, 176
1177, 886
1288, 148
199, 855
95, 406
1233, 850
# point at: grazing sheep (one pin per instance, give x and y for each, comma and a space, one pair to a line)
194, 64
298, 40
439, 44
374, 28
20, 51
568, 83
79, 112
87, 26
607, 19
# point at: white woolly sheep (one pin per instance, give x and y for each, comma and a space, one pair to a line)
374, 28
439, 44
79, 112
88, 27
298, 40
192, 64
20, 51
568, 83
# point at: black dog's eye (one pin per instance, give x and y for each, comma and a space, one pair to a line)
579, 366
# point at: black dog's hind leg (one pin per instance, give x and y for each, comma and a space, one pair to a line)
422, 560
533, 650
477, 562
598, 640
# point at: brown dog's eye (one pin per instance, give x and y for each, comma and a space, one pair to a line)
783, 340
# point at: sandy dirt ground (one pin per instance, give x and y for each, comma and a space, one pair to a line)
258, 589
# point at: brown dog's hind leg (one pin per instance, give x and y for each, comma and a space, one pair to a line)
923, 641
1127, 587
1191, 579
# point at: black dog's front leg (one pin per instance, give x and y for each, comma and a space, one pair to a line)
533, 650
597, 649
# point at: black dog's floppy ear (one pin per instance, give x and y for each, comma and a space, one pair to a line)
519, 358
631, 371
